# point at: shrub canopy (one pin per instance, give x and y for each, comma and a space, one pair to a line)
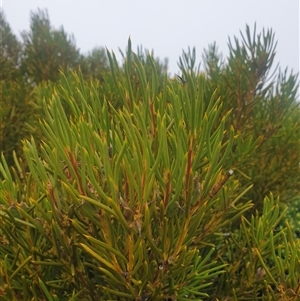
140, 187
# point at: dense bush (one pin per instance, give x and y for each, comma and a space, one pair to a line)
135, 193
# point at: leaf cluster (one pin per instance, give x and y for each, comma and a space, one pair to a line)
265, 113
38, 58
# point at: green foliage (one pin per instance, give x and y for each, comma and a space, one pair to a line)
259, 251
16, 108
131, 196
265, 114
39, 58
293, 216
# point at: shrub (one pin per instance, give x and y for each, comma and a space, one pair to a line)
134, 203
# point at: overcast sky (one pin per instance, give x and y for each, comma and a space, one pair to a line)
166, 26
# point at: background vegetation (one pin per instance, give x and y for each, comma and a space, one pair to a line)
130, 185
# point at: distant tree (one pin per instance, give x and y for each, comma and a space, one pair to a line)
10, 51
15, 106
47, 50
95, 63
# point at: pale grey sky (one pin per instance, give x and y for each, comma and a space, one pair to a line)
166, 26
